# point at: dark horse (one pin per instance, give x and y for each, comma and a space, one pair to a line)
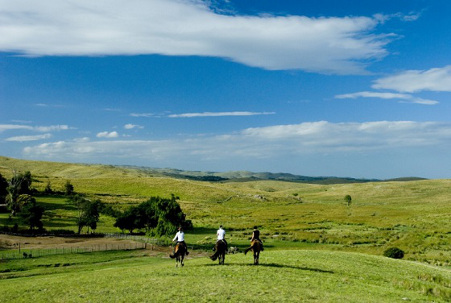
179, 254
220, 252
256, 247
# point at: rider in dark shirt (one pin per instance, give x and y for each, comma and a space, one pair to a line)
256, 236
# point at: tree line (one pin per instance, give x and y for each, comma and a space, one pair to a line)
157, 216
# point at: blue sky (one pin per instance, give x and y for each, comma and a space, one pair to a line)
320, 88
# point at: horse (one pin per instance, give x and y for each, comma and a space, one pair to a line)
220, 252
256, 247
179, 254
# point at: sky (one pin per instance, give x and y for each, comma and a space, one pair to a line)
317, 88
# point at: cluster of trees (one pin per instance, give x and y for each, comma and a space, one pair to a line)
88, 212
16, 194
158, 216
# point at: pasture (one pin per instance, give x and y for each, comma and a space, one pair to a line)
317, 248
283, 276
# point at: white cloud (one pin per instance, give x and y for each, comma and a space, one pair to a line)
5, 127
139, 115
107, 134
381, 95
51, 128
29, 138
186, 28
132, 126
219, 114
280, 141
434, 79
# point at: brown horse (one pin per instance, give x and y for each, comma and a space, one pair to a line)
179, 254
220, 252
256, 247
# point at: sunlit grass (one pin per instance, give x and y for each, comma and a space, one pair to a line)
283, 276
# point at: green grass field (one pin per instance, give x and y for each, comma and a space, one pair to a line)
413, 215
283, 276
317, 248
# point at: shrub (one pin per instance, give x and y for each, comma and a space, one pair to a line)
394, 252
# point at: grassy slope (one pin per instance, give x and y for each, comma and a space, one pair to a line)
312, 276
412, 215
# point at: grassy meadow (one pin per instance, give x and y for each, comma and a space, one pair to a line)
283, 276
411, 215
317, 247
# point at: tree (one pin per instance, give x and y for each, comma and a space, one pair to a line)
68, 188
88, 212
3, 189
18, 185
348, 200
129, 220
31, 213
159, 216
91, 214
48, 188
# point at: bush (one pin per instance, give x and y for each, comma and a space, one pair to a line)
394, 253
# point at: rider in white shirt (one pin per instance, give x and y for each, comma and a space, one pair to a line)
180, 237
221, 235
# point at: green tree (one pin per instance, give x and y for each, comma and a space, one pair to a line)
159, 216
3, 189
88, 212
348, 200
48, 188
17, 186
69, 188
31, 213
129, 220
91, 214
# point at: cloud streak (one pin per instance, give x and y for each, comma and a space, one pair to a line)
434, 79
50, 128
189, 28
219, 114
383, 95
28, 138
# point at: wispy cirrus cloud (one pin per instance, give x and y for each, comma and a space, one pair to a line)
28, 138
177, 28
434, 79
219, 114
386, 95
6, 127
142, 115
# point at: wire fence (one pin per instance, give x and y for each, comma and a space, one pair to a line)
138, 242
33, 253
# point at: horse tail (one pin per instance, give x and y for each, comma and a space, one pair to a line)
214, 256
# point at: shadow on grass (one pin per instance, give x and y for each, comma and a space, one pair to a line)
284, 266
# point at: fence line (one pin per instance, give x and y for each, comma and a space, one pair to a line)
141, 242
32, 253
144, 239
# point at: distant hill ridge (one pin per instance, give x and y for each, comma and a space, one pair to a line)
74, 170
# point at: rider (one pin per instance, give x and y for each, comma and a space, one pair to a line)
256, 236
221, 235
180, 237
